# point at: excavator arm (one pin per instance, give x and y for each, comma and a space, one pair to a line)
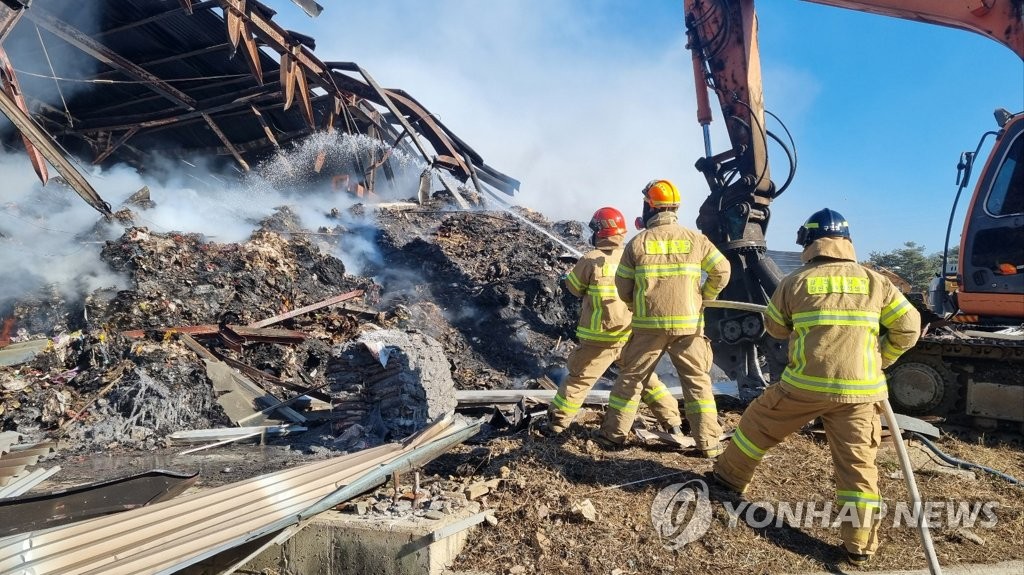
722, 37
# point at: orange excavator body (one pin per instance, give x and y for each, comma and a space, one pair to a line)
722, 36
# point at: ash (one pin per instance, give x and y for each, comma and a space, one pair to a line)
451, 300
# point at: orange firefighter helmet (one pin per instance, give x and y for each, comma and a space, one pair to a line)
661, 194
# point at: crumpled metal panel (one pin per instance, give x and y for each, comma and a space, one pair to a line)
169, 536
35, 512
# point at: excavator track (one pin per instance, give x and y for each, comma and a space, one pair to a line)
968, 379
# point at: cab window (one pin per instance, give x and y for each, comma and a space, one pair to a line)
1007, 194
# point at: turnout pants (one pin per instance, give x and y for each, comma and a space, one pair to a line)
587, 364
854, 432
691, 356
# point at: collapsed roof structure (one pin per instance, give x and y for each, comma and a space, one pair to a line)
122, 81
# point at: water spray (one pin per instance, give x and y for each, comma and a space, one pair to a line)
508, 208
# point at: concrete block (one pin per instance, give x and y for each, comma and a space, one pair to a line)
344, 544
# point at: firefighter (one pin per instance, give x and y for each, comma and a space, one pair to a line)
660, 277
833, 311
603, 326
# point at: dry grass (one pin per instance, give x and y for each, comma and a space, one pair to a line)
545, 477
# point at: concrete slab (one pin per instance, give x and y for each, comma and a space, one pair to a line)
344, 544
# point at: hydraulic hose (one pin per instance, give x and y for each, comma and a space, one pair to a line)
960, 462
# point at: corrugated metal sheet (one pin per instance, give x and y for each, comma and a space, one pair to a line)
24, 483
788, 262
15, 459
65, 506
169, 536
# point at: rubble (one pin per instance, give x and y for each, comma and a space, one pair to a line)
465, 279
396, 390
451, 298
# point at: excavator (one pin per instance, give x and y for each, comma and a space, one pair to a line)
969, 364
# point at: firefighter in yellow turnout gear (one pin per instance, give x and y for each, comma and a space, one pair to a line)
660, 277
844, 323
603, 326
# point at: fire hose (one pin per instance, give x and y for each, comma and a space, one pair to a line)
897, 440
960, 463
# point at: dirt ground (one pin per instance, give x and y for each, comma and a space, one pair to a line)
545, 478
502, 320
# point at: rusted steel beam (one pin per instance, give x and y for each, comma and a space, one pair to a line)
114, 146
266, 127
163, 118
307, 309
258, 375
83, 42
262, 334
438, 136
227, 143
174, 58
8, 18
196, 347
424, 117
13, 89
187, 7
283, 43
98, 114
5, 331
238, 32
264, 103
382, 94
250, 146
206, 329
51, 151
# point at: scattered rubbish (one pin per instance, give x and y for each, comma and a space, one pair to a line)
460, 526
307, 309
221, 519
585, 510
231, 433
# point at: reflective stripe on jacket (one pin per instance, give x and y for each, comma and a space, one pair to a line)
832, 310
660, 275
604, 318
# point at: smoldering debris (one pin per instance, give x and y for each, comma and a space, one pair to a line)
484, 284
453, 299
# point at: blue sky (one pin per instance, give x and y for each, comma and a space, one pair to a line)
587, 100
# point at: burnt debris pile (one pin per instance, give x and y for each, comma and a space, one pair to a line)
182, 279
275, 332
485, 285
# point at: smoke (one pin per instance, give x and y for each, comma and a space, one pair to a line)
48, 68
542, 91
50, 237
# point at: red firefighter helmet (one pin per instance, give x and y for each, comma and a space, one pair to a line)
608, 222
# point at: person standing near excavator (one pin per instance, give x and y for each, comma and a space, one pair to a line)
660, 277
603, 327
833, 311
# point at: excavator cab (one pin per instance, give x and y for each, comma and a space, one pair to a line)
991, 269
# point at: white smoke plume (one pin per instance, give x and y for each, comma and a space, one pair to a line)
49, 236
